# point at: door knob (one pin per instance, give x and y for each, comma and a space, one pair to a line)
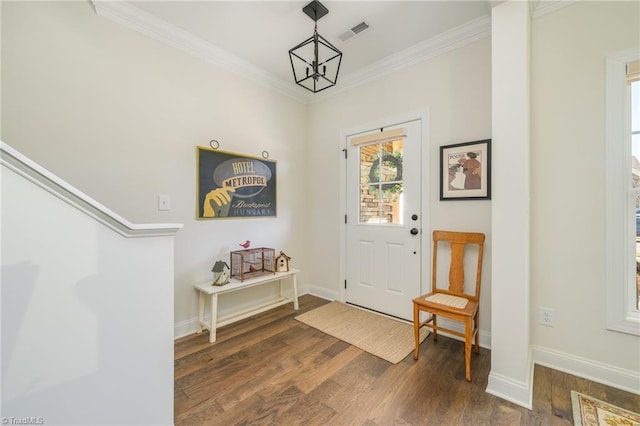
414, 231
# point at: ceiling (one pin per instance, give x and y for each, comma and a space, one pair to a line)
261, 33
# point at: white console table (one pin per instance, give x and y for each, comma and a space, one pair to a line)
212, 291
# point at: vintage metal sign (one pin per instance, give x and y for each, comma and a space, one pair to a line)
233, 185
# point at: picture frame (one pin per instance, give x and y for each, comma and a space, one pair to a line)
234, 186
465, 171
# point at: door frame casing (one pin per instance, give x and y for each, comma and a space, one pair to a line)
425, 185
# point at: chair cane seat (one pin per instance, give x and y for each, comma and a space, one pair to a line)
447, 300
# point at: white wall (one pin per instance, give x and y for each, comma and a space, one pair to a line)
86, 315
568, 183
456, 89
119, 115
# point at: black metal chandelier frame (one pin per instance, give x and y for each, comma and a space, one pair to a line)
315, 70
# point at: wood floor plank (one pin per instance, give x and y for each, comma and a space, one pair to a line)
478, 402
221, 349
365, 364
309, 412
313, 377
354, 378
234, 394
335, 348
204, 414
562, 384
434, 373
225, 376
326, 390
273, 370
269, 411
397, 401
542, 391
299, 364
624, 399
230, 365
359, 411
503, 415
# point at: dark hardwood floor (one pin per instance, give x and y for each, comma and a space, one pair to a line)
272, 369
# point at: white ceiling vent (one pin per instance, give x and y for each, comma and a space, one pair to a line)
353, 31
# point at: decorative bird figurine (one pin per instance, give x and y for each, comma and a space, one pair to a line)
246, 244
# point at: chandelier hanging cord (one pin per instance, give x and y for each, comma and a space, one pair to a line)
315, 52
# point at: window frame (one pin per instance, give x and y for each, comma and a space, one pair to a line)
622, 312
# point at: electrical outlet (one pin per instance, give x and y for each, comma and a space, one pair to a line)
545, 316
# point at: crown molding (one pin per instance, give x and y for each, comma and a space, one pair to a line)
544, 7
447, 41
145, 23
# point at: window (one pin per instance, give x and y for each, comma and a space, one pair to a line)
623, 192
633, 81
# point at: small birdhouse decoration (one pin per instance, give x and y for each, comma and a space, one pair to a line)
220, 273
282, 262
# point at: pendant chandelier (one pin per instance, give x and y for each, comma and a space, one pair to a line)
315, 61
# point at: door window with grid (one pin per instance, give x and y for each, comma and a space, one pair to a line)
381, 182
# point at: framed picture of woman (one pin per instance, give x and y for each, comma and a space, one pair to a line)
465, 171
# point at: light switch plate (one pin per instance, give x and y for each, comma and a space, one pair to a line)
164, 202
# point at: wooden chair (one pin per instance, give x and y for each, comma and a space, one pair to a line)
452, 303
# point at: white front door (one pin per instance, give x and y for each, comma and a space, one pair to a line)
383, 253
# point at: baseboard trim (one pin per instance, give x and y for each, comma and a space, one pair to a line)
510, 390
606, 374
185, 328
320, 292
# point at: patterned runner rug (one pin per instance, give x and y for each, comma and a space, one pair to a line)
589, 411
384, 337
